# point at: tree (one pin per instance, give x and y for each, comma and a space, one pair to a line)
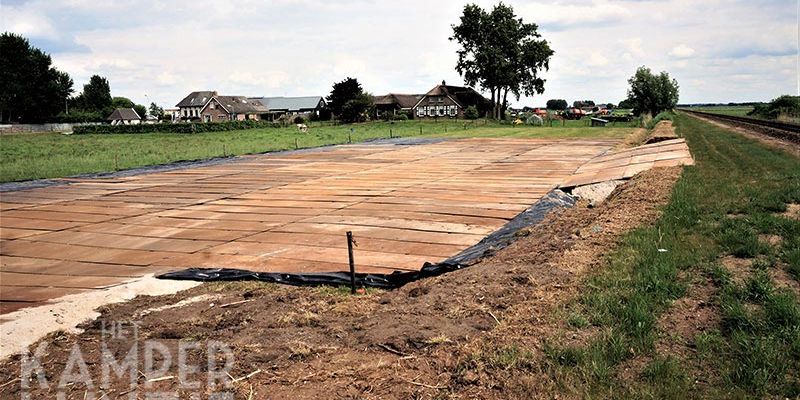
156, 111
626, 104
557, 104
501, 53
121, 102
31, 90
348, 102
343, 92
583, 103
141, 110
783, 105
357, 109
96, 95
651, 93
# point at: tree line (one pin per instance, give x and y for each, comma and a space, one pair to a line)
33, 91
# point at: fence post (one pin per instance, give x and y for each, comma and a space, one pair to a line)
352, 262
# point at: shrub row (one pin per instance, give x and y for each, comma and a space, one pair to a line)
176, 128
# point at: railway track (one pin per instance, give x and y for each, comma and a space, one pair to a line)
779, 130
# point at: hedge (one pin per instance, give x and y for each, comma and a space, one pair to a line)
176, 127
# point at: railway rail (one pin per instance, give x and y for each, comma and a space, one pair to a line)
779, 130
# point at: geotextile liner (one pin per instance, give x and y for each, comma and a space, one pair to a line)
495, 241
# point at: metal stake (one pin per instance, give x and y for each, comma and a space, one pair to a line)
352, 262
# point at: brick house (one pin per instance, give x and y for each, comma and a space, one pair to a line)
445, 101
209, 106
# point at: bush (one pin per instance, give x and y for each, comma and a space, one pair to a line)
471, 113
402, 116
662, 116
299, 120
175, 128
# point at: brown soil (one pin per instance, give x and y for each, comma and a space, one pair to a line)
784, 280
792, 211
637, 138
438, 337
740, 268
772, 240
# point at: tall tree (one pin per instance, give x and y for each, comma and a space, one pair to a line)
31, 90
348, 101
96, 95
501, 53
652, 93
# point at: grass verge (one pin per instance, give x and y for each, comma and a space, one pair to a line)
722, 206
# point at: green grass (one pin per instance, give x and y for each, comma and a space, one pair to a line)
52, 155
756, 351
740, 111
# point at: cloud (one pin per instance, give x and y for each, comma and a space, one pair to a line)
561, 15
681, 51
300, 47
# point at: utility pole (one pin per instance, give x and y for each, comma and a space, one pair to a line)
797, 69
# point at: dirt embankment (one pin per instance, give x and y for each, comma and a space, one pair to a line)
456, 335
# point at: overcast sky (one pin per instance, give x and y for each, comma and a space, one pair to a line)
719, 51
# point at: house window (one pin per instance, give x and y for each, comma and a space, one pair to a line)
212, 106
421, 111
441, 111
453, 111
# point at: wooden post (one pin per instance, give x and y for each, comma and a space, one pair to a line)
352, 262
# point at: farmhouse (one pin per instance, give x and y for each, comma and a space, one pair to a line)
279, 106
124, 116
450, 101
208, 106
395, 102
231, 108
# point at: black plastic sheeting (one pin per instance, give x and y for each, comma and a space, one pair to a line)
495, 241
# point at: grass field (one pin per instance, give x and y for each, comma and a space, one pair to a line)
25, 157
739, 111
721, 207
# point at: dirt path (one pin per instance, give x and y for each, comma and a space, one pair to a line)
451, 335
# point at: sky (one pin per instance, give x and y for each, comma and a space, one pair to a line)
159, 51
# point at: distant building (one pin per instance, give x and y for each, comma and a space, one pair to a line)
209, 106
189, 108
124, 116
279, 106
231, 108
444, 101
395, 102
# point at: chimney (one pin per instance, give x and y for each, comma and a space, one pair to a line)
443, 83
